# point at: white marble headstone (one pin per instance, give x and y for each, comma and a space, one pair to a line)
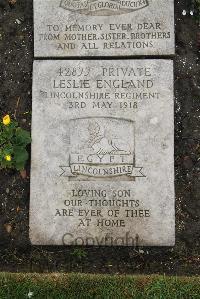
102, 153
103, 27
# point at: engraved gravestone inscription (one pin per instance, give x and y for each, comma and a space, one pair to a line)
103, 27
102, 152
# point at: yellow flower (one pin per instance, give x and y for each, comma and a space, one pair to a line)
8, 158
6, 120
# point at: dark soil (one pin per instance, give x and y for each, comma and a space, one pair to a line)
16, 252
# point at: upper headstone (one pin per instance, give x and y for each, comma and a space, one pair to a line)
102, 153
103, 27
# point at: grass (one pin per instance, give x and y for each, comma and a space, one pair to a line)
85, 286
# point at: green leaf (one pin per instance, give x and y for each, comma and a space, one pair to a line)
22, 137
20, 157
13, 142
6, 164
7, 149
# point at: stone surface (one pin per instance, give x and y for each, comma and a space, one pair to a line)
103, 28
102, 153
